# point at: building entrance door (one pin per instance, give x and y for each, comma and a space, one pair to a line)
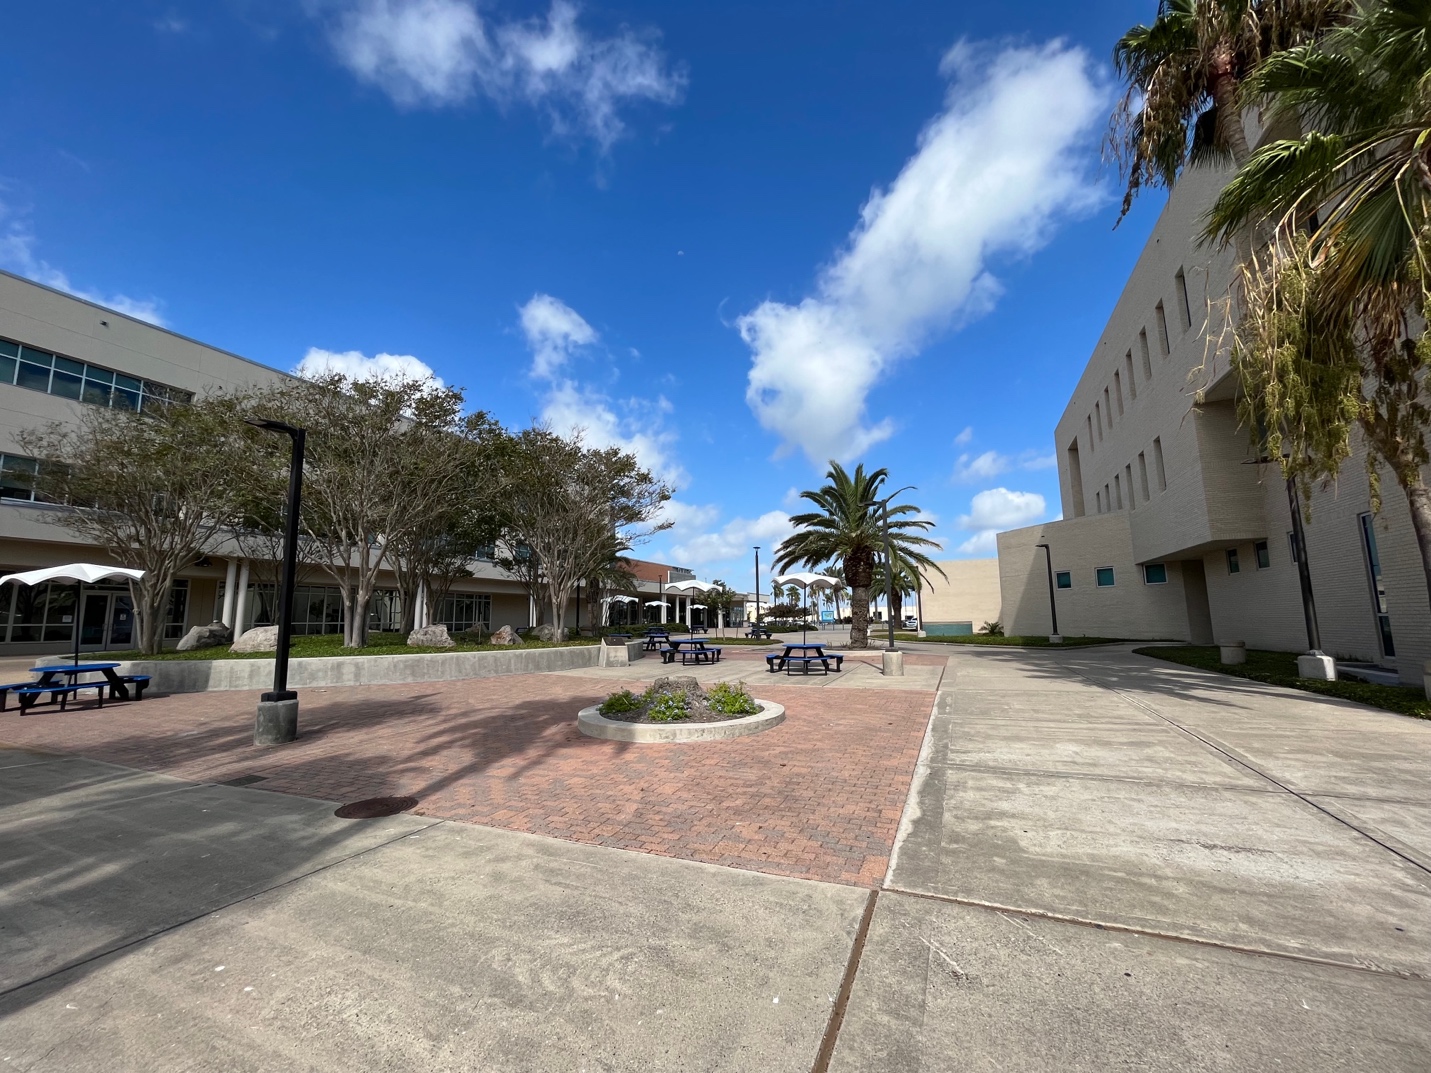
107, 622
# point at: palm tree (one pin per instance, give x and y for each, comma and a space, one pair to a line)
1183, 76
907, 580
849, 528
1332, 333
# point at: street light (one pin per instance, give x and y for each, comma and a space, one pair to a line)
1054, 638
889, 564
277, 721
757, 585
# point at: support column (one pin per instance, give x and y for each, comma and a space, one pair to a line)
241, 608
419, 613
230, 582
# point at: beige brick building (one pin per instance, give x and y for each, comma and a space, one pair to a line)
1170, 528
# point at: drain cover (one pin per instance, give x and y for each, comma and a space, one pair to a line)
374, 807
244, 780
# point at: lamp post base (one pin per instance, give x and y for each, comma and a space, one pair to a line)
1055, 638
1317, 665
277, 721
892, 664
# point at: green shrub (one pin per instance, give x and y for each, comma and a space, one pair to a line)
729, 699
668, 708
993, 629
625, 701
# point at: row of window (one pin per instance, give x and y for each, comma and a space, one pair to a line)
319, 609
39, 370
1104, 578
17, 477
46, 613
1112, 495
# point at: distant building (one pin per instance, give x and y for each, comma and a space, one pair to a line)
961, 602
1170, 527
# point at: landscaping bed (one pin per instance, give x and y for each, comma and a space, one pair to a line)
1280, 669
310, 646
680, 699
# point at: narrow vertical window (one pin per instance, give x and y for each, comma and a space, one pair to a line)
1107, 497
1132, 382
1292, 548
1098, 420
1107, 408
1098, 499
1143, 475
1118, 391
1233, 566
1118, 490
1379, 607
1264, 555
1147, 357
1128, 480
1162, 318
1075, 479
1158, 464
1090, 433
1184, 307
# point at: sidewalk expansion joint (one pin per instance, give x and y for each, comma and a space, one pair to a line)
1168, 936
847, 985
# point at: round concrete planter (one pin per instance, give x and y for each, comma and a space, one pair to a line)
592, 723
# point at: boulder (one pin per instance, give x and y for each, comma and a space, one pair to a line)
548, 632
258, 639
430, 637
210, 636
505, 636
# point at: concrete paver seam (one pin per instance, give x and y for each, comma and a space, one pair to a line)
831, 1037
1236, 761
1168, 936
137, 940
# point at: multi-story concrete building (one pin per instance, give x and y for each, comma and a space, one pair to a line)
59, 353
1171, 527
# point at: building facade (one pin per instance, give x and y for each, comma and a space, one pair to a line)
59, 353
1171, 527
962, 600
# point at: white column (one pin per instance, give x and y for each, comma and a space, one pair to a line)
531, 610
230, 580
419, 613
688, 614
241, 607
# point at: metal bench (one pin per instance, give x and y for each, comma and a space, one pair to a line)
5, 691
758, 632
776, 662
29, 696
139, 682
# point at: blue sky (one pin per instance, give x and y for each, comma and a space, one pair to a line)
740, 238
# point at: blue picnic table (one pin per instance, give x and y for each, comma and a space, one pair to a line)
61, 681
691, 650
802, 654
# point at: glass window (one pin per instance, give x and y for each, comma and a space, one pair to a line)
1233, 566
1292, 547
1063, 579
1155, 574
66, 385
1380, 609
17, 477
1105, 576
38, 357
8, 365
9, 349
1264, 555
35, 377
30, 368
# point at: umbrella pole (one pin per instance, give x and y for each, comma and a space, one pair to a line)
79, 592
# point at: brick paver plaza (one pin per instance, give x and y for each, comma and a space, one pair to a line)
818, 797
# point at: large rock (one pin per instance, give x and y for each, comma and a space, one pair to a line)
430, 637
210, 636
548, 632
258, 639
505, 636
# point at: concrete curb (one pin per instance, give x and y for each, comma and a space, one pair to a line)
592, 723
202, 676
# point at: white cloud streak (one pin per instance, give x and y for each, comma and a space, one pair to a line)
17, 254
356, 365
995, 510
732, 541
994, 174
443, 52
970, 468
554, 331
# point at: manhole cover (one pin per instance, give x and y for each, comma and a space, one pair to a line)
374, 807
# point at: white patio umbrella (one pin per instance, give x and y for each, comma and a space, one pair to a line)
606, 601
691, 586
79, 573
806, 581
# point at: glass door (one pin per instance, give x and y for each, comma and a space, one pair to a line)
107, 621
94, 619
121, 623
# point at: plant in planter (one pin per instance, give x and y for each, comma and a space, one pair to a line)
625, 701
668, 708
728, 699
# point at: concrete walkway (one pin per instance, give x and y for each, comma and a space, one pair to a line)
1105, 863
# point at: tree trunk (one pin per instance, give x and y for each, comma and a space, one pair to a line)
1418, 498
1229, 116
895, 608
149, 608
860, 616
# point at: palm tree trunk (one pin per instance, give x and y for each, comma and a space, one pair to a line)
1418, 497
860, 617
1229, 115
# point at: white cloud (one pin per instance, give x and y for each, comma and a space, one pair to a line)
995, 510
639, 427
17, 254
1033, 460
981, 467
962, 440
356, 365
994, 173
443, 52
553, 330
734, 540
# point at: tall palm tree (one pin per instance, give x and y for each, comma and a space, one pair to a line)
1183, 75
907, 578
848, 527
1333, 333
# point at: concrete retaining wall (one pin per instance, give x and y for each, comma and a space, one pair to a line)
199, 676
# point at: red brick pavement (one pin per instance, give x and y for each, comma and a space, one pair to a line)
817, 797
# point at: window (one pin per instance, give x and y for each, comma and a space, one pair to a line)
1107, 408
1264, 555
1132, 381
1104, 575
1107, 498
1098, 420
1118, 391
1378, 586
1184, 308
1143, 475
1233, 566
1128, 478
1158, 464
1118, 490
17, 477
176, 614
1063, 579
1090, 433
1155, 574
464, 610
1098, 498
1292, 547
41, 613
39, 370
1147, 358
485, 552
1162, 322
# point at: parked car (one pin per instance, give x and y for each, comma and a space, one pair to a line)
911, 623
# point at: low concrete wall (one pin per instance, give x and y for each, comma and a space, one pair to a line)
622, 655
199, 676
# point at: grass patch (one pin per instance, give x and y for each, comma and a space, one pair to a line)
1009, 642
331, 645
1280, 669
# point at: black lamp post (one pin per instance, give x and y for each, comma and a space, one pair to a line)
757, 585
889, 564
277, 722
1304, 569
1055, 637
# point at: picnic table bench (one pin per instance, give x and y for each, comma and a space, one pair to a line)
759, 632
115, 686
803, 656
691, 650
